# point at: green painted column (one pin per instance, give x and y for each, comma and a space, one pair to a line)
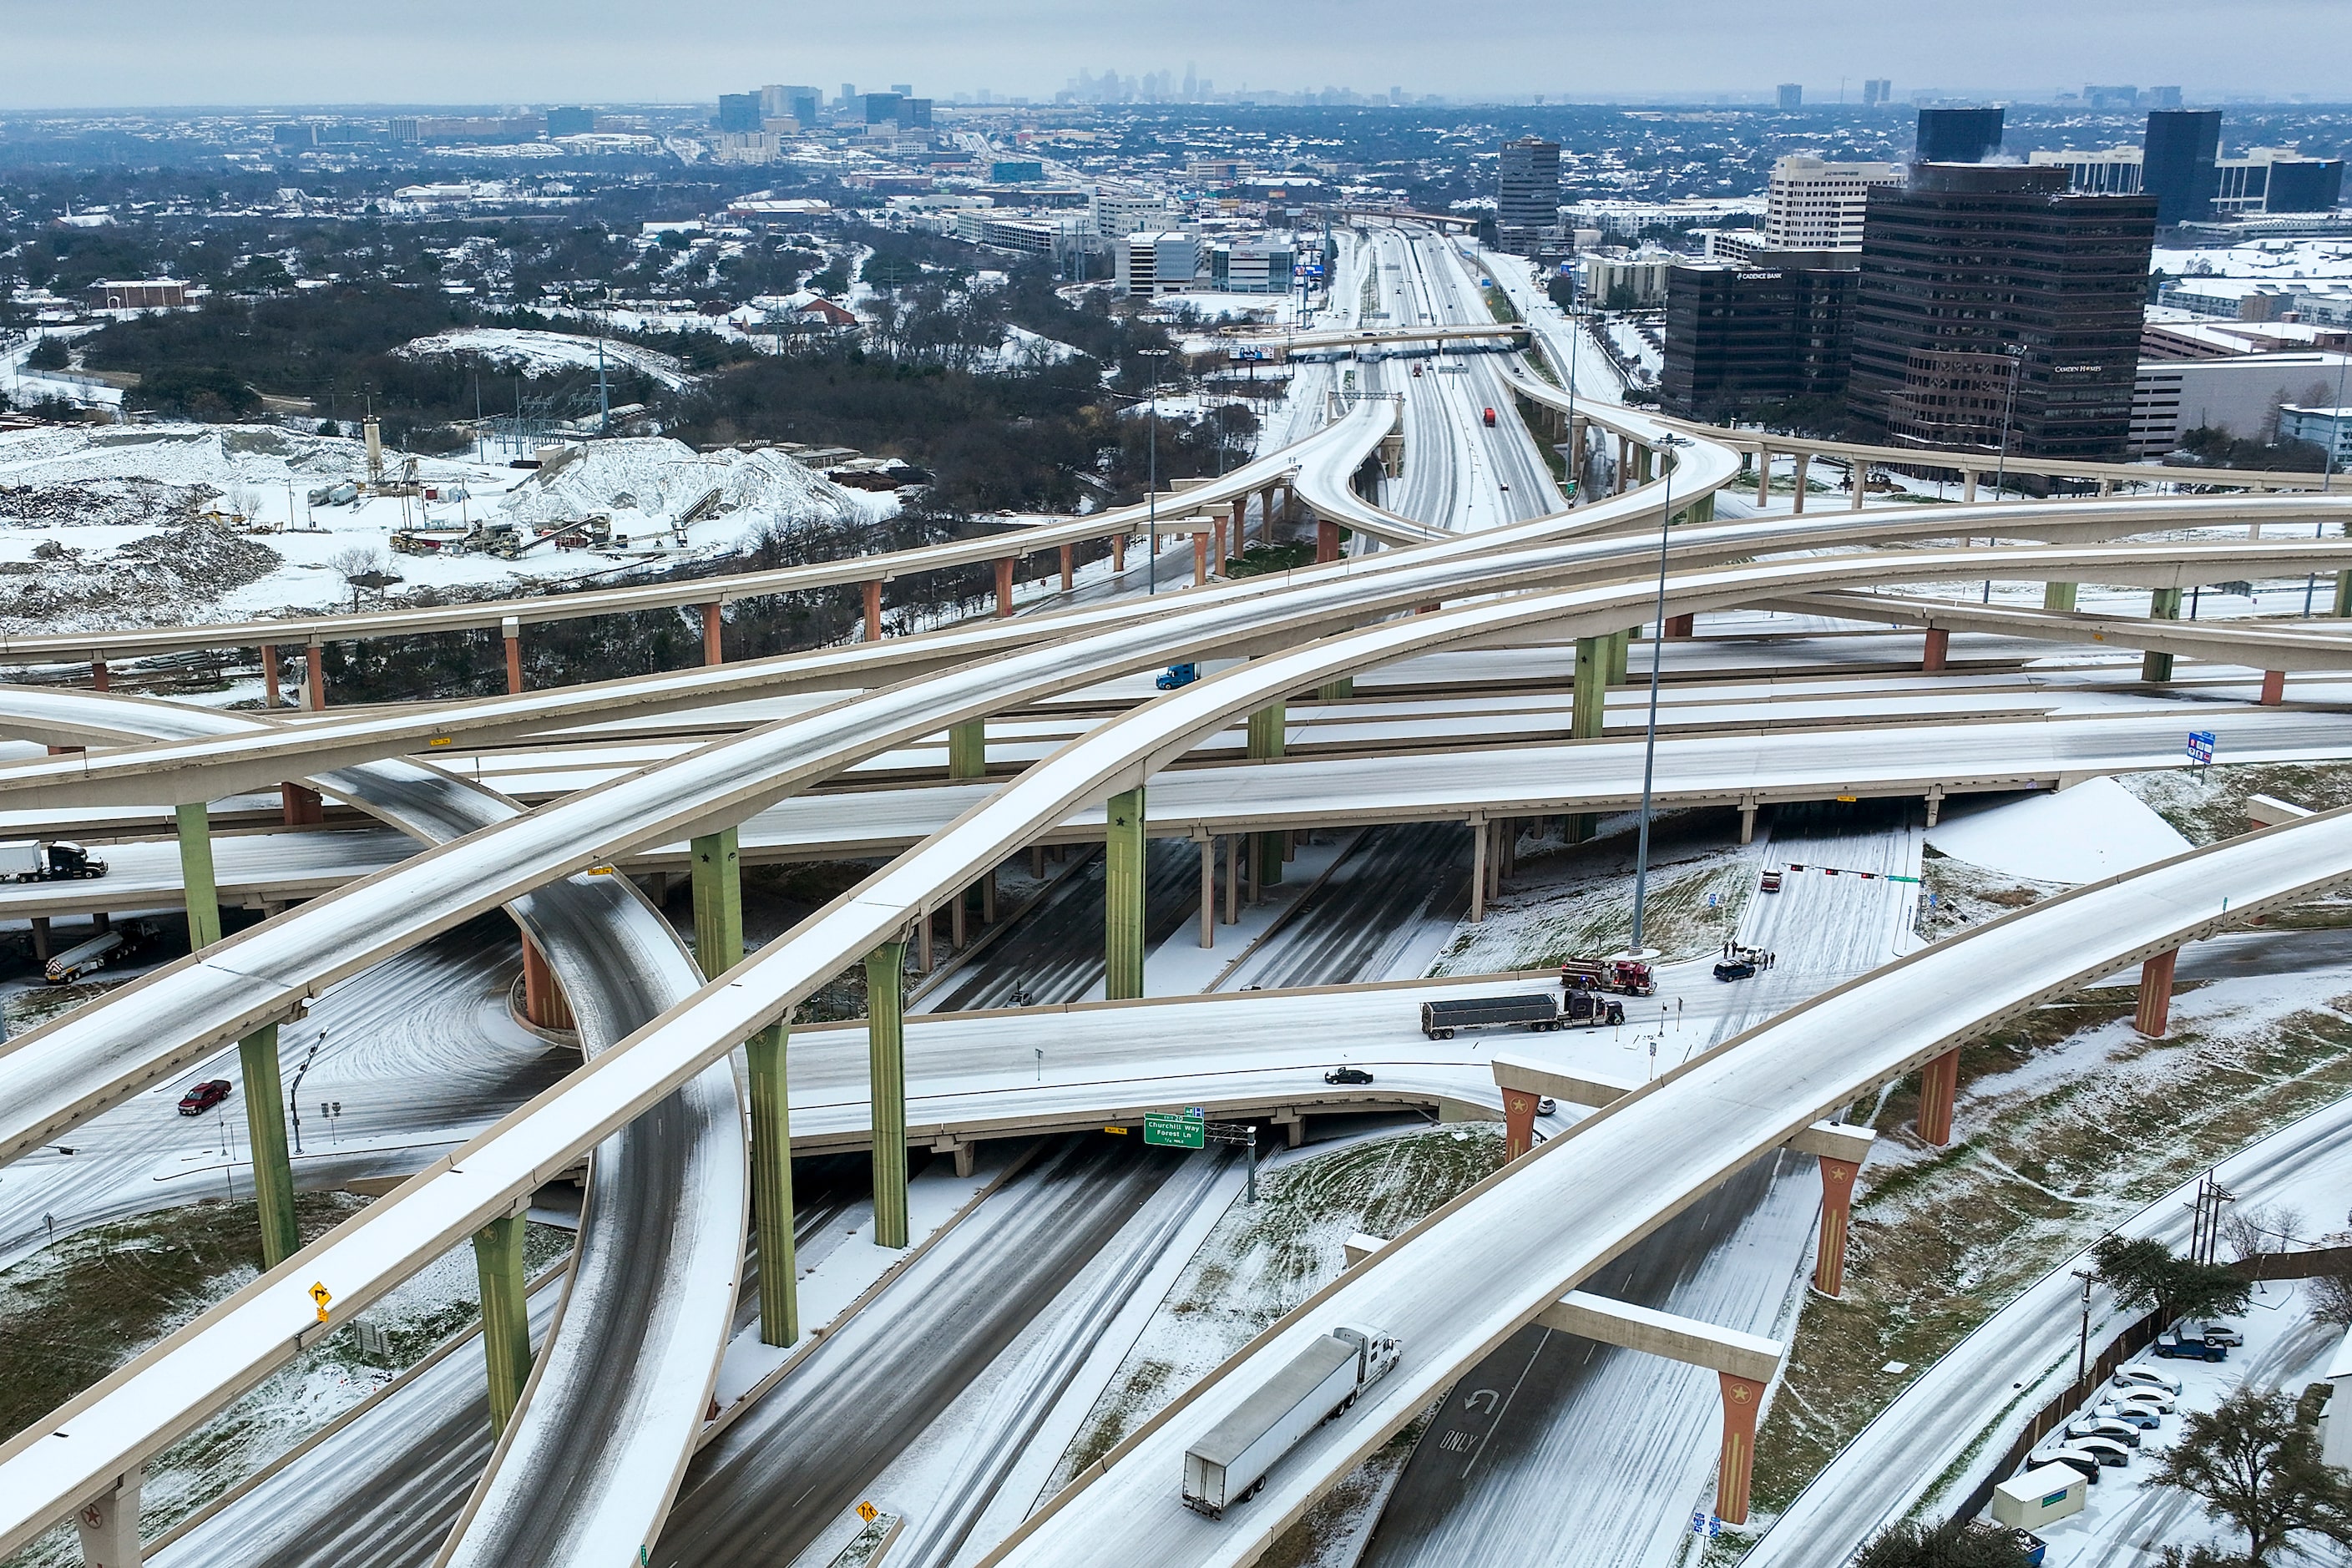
1333, 691
1124, 896
717, 903
772, 1186
2343, 595
196, 832
1266, 731
968, 750
1643, 461
2058, 595
1621, 644
2163, 604
265, 1125
1587, 715
885, 1050
1702, 509
505, 1318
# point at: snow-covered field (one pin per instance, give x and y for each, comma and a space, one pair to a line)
159, 524
539, 353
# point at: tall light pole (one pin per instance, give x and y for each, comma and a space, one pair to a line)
1151, 492
1669, 442
2327, 470
1576, 458
2016, 353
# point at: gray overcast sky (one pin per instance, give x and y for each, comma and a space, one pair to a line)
76, 53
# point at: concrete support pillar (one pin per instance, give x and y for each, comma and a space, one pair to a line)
713, 620
1519, 1121
1005, 581
968, 750
1199, 561
1334, 691
1588, 711
265, 1125
1747, 822
1070, 569
1742, 1398
872, 593
195, 835
1208, 892
2154, 1016
1837, 1207
886, 1050
1939, 1083
2274, 687
100, 678
1479, 841
314, 658
2343, 609
1763, 478
1234, 879
2058, 595
270, 675
772, 1186
1854, 503
1326, 540
1968, 486
1645, 464
506, 1316
717, 902
988, 897
1118, 553
510, 633
1797, 503
108, 1525
543, 1002
1266, 733
41, 939
1620, 645
1124, 890
298, 805
1938, 650
2163, 604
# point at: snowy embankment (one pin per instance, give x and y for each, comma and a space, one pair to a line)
111, 526
544, 353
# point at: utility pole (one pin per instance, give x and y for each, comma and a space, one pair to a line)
1657, 647
2083, 1343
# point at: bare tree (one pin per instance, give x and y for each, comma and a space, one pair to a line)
357, 561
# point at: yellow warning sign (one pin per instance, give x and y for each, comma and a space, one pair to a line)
320, 1294
867, 1511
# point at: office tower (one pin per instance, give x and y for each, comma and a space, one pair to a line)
1789, 95
1769, 334
1956, 135
2178, 158
1992, 298
903, 89
738, 111
2164, 98
1815, 205
914, 114
882, 108
1876, 90
571, 122
1527, 194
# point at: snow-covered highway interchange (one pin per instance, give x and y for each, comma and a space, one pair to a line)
619, 1401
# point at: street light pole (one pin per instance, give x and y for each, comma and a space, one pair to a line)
1670, 442
2083, 1343
1151, 494
2016, 353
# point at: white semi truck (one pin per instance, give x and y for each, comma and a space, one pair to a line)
30, 860
1229, 1465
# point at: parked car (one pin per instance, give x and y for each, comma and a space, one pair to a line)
2107, 1450
1735, 969
204, 1097
2113, 1426
1347, 1075
2073, 1459
2144, 1416
2132, 1374
2212, 1331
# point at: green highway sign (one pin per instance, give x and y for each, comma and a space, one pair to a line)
1175, 1131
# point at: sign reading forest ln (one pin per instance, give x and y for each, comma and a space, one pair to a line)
1175, 1131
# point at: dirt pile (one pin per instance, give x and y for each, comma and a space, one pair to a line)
160, 579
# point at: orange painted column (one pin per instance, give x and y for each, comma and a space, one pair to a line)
270, 675
2274, 687
1519, 1121
1326, 540
1682, 625
315, 658
1005, 586
1069, 571
1118, 553
542, 998
873, 610
1939, 1083
2155, 1015
1742, 1398
1200, 560
100, 681
299, 805
514, 658
713, 652
1939, 645
1837, 1205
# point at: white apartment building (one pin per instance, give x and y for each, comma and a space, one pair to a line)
1813, 204
2115, 171
1154, 262
1117, 216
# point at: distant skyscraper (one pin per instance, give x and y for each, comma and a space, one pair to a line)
1810, 205
882, 108
1789, 95
1993, 299
571, 122
2164, 98
848, 94
914, 114
1526, 193
738, 111
2178, 154
1876, 90
1958, 135
903, 89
